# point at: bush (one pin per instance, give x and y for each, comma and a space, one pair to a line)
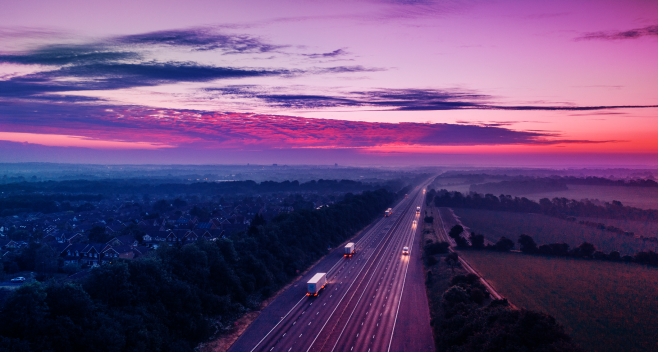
437, 248
71, 268
431, 260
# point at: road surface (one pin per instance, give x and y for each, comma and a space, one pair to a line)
374, 301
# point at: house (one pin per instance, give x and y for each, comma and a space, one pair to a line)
206, 226
114, 227
73, 252
123, 251
91, 254
4, 244
128, 240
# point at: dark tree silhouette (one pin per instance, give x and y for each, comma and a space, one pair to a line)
527, 244
477, 241
585, 249
456, 231
504, 244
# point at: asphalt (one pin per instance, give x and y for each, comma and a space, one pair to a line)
374, 301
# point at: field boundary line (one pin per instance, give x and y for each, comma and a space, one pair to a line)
469, 267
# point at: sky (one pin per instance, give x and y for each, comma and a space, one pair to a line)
373, 82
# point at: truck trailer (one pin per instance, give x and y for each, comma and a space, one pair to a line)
350, 249
388, 212
316, 283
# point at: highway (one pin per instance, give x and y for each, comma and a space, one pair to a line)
360, 308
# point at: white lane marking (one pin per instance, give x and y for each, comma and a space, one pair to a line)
356, 276
401, 292
277, 324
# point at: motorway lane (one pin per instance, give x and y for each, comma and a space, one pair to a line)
292, 314
311, 323
370, 325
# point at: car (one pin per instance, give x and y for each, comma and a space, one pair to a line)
405, 250
414, 223
18, 279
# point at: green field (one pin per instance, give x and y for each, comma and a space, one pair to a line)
544, 229
604, 306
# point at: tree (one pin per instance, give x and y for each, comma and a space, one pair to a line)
461, 242
428, 219
201, 213
19, 235
527, 244
161, 206
179, 203
585, 249
452, 260
477, 241
456, 231
258, 220
97, 235
504, 244
25, 311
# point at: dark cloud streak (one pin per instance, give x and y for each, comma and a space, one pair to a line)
400, 100
620, 35
202, 39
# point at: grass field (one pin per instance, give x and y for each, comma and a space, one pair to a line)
640, 197
604, 306
544, 229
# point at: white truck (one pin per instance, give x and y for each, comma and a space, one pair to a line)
350, 249
388, 212
316, 283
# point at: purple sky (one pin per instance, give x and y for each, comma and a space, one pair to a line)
353, 82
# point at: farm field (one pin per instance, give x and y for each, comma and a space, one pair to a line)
639, 197
544, 229
604, 306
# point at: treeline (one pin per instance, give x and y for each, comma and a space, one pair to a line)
528, 245
556, 207
567, 180
602, 181
138, 186
522, 186
48, 203
468, 323
178, 297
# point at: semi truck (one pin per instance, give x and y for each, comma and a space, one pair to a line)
316, 283
388, 212
350, 249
